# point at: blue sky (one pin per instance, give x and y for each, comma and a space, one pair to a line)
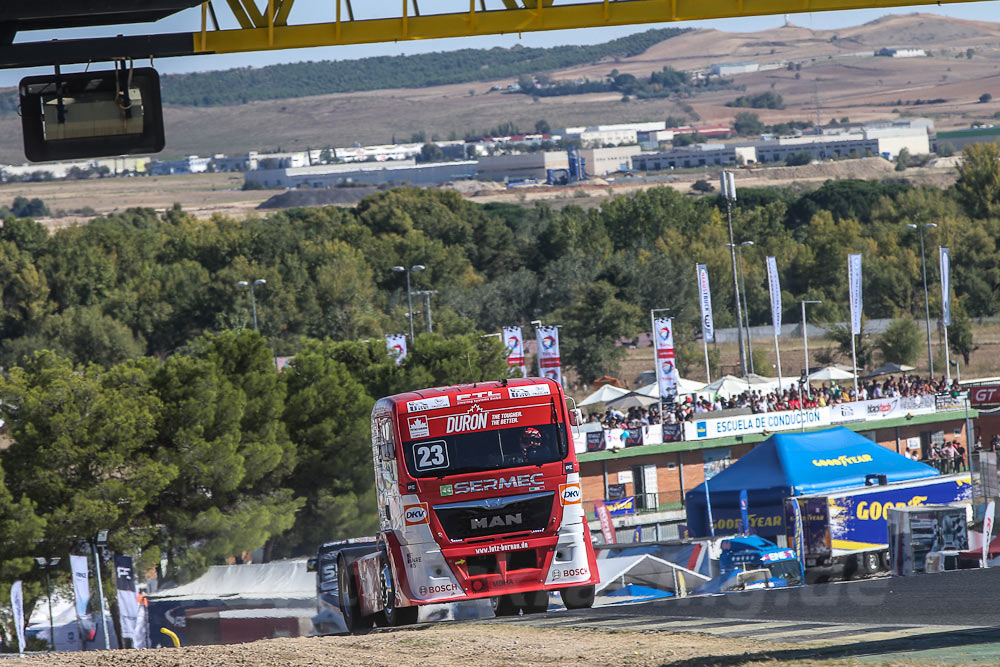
311, 11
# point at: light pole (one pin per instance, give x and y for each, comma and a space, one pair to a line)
746, 310
728, 182
253, 300
101, 541
958, 369
46, 564
805, 344
409, 296
426, 293
927, 305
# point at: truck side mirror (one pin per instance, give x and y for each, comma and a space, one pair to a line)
311, 565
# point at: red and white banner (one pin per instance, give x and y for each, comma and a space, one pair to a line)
607, 527
515, 348
549, 365
396, 344
666, 365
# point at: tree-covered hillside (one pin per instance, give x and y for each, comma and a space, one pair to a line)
239, 86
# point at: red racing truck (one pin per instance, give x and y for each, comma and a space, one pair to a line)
479, 496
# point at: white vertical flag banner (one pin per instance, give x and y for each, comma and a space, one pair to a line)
128, 600
81, 595
396, 344
705, 297
775, 287
988, 531
549, 365
945, 285
666, 364
854, 282
515, 348
17, 608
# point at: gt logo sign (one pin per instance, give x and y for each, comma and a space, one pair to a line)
569, 494
415, 514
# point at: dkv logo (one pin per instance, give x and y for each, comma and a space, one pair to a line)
570, 494
415, 514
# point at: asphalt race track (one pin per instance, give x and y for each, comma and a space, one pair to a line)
938, 618
962, 597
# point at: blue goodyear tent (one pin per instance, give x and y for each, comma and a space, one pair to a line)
793, 464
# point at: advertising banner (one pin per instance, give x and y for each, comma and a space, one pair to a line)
857, 520
621, 507
549, 365
515, 348
128, 602
666, 368
703, 429
705, 298
616, 491
775, 288
854, 283
880, 408
988, 519
744, 513
607, 528
595, 441
81, 595
396, 344
986, 395
945, 285
672, 432
17, 609
944, 402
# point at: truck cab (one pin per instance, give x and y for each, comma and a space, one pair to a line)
479, 496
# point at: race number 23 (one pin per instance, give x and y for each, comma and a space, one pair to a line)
431, 455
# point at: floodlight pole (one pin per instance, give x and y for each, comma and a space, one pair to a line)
729, 192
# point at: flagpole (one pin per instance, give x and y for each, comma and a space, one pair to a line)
777, 354
854, 360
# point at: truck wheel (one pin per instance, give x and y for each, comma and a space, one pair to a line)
350, 606
394, 616
533, 602
503, 605
871, 563
578, 597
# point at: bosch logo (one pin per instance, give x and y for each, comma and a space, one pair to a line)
575, 572
415, 514
439, 589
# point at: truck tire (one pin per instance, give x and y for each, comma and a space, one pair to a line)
392, 615
533, 602
503, 605
350, 606
871, 563
578, 597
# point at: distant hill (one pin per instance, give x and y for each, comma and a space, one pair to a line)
295, 80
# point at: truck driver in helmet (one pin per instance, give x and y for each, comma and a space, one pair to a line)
531, 447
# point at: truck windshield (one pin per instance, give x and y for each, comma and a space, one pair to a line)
485, 450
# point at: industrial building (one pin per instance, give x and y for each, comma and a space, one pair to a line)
696, 155
327, 175
728, 69
601, 161
522, 166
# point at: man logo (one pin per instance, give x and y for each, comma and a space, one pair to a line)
415, 514
569, 494
497, 522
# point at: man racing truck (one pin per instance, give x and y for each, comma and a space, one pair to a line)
479, 496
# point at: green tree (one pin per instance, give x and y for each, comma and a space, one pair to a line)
864, 345
592, 325
978, 183
900, 343
902, 160
748, 123
83, 450
430, 153
960, 333
799, 159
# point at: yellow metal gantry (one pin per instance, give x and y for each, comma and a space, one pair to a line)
267, 28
